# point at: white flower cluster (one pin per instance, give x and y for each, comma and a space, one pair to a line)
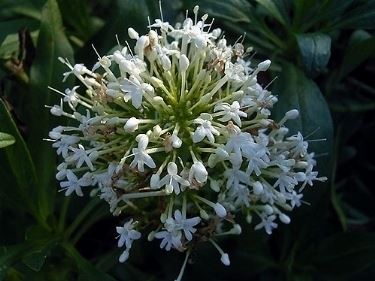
177, 134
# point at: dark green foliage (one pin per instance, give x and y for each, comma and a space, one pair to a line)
322, 54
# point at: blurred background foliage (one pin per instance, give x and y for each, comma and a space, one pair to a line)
323, 63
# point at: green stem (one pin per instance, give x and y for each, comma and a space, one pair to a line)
64, 210
82, 216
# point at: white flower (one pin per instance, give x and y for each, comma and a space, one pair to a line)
300, 146
182, 223
285, 182
71, 97
235, 72
169, 239
240, 194
141, 157
172, 180
127, 234
134, 90
230, 112
63, 145
74, 184
267, 223
80, 156
204, 130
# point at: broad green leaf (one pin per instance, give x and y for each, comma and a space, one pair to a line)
361, 48
88, 271
10, 255
43, 242
46, 71
29, 8
276, 9
6, 140
315, 49
35, 259
359, 16
295, 90
237, 11
77, 14
19, 159
124, 14
345, 253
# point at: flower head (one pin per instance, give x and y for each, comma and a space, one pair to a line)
181, 118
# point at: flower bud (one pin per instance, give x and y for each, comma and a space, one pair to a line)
56, 110
214, 185
132, 33
236, 229
176, 141
184, 63
292, 114
131, 125
264, 65
199, 172
124, 256
268, 209
154, 181
257, 188
220, 210
225, 259
203, 214
284, 218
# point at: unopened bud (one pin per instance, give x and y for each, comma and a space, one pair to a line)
292, 114
220, 210
284, 218
264, 65
132, 33
184, 63
225, 259
131, 125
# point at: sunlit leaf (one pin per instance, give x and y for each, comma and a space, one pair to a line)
6, 140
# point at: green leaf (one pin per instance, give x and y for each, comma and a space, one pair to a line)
27, 8
361, 48
237, 11
46, 71
77, 14
315, 49
343, 254
359, 16
276, 9
35, 259
295, 90
10, 255
19, 160
88, 271
6, 140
